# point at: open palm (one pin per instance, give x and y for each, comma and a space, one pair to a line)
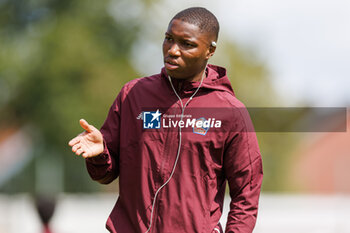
89, 143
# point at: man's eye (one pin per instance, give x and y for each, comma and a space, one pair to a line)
167, 38
188, 44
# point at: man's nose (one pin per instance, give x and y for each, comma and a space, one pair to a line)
174, 50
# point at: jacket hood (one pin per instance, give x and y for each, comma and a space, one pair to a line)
216, 79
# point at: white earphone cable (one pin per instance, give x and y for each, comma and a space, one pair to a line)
179, 147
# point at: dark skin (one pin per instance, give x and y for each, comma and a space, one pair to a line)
186, 50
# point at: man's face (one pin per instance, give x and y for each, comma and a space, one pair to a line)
186, 50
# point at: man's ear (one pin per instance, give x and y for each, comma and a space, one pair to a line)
211, 51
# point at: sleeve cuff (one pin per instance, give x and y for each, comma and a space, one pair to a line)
102, 158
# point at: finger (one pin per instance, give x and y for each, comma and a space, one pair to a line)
79, 151
76, 147
74, 141
85, 125
85, 155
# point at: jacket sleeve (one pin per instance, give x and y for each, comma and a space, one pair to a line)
104, 168
243, 170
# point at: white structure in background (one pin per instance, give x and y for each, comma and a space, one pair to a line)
88, 214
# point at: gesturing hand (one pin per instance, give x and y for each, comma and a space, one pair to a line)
89, 143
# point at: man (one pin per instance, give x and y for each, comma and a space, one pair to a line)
175, 138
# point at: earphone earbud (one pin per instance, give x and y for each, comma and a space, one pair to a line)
213, 43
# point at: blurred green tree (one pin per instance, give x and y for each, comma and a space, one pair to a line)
60, 61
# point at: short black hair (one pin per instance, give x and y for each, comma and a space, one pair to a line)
203, 18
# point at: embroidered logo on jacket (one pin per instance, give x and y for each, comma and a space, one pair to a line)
201, 127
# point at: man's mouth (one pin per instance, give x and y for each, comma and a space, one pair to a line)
170, 64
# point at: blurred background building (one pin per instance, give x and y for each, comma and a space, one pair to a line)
61, 60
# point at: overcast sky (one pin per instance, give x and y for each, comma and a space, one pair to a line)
306, 44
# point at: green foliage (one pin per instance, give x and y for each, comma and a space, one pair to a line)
67, 64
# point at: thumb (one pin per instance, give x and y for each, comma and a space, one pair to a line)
85, 125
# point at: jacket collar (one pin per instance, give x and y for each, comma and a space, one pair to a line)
216, 79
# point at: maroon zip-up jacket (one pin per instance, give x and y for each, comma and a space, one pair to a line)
141, 136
